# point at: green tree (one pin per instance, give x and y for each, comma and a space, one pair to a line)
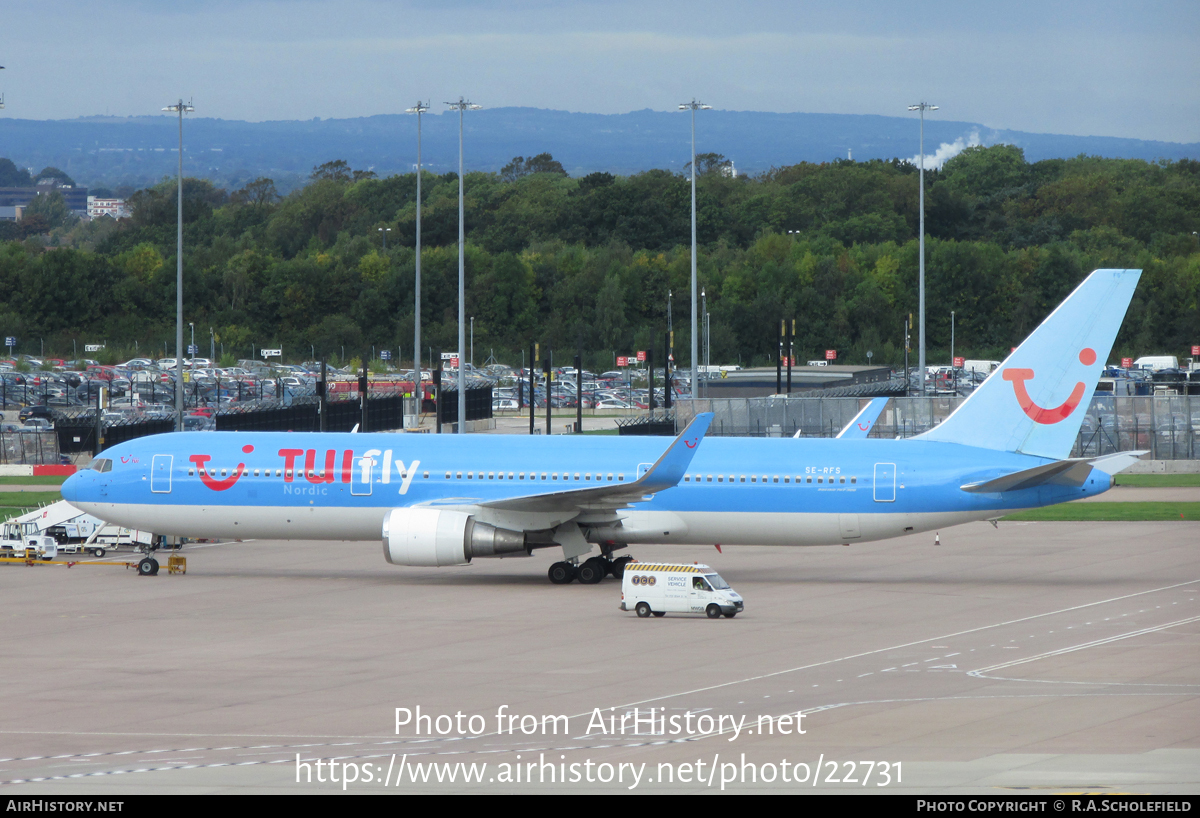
52, 207
13, 176
520, 166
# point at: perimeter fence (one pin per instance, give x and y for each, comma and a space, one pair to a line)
1168, 426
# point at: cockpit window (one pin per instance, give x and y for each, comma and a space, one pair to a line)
101, 464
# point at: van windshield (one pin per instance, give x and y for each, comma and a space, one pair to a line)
716, 582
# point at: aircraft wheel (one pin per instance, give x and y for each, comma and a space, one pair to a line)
561, 573
147, 567
713, 611
643, 610
617, 568
660, 613
592, 571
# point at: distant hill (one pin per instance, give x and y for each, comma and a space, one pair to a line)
140, 150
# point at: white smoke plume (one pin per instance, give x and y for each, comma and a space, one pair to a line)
947, 151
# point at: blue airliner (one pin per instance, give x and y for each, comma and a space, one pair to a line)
449, 499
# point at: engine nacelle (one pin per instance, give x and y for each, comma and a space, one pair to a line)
436, 537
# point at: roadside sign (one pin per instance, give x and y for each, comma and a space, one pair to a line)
193, 349
1127, 363
93, 347
958, 363
385, 355
641, 355
1195, 349
622, 360
10, 341
831, 354
449, 356
271, 353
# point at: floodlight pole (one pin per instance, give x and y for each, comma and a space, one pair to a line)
922, 107
460, 106
418, 109
693, 106
180, 108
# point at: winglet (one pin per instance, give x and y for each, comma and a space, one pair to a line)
669, 469
864, 421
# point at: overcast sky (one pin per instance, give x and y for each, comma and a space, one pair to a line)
1085, 67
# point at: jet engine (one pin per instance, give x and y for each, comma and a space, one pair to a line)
436, 537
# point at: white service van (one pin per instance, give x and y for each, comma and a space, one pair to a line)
986, 367
655, 588
1156, 363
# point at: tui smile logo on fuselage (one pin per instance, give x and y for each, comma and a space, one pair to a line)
211, 481
1040, 414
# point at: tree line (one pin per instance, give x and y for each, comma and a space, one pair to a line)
591, 263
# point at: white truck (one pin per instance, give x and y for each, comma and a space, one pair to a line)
43, 547
74, 530
659, 589
1156, 363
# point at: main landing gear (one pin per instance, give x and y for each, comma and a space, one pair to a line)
589, 572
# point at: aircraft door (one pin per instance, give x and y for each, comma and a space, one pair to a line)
885, 482
364, 472
160, 473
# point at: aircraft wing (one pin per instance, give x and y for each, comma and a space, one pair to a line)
864, 421
1071, 472
666, 472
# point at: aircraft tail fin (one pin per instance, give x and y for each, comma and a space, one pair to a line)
1035, 401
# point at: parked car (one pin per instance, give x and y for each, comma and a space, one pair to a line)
34, 412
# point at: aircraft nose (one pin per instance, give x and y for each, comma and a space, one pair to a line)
70, 487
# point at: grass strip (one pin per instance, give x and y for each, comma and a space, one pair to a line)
42, 480
1159, 481
1099, 512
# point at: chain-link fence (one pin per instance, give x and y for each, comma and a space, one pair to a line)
1167, 426
29, 448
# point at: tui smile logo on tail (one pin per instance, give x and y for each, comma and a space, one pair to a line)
1039, 414
212, 482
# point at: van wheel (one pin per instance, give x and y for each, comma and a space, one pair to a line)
731, 615
713, 611
561, 573
643, 610
660, 613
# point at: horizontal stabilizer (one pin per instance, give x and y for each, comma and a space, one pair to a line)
1071, 472
1118, 462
